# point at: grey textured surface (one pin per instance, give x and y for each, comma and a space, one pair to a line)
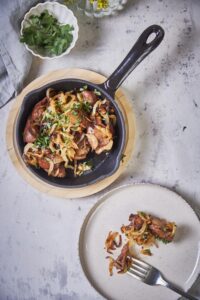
39, 234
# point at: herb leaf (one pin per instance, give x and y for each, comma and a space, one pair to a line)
42, 141
87, 107
44, 32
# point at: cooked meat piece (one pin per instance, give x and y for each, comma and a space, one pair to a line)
59, 171
30, 132
98, 121
85, 121
39, 109
161, 229
123, 261
89, 96
82, 151
102, 109
55, 158
43, 163
112, 130
78, 137
136, 221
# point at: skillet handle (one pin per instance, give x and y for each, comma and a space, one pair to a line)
139, 51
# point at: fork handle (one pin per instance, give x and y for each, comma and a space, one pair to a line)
179, 291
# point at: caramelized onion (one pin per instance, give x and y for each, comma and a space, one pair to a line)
113, 241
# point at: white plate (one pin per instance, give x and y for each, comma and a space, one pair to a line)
178, 261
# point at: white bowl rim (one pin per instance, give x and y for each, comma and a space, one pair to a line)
76, 29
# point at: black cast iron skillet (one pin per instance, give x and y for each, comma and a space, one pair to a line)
104, 165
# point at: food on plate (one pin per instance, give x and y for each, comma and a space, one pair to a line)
122, 263
46, 33
113, 241
143, 230
65, 127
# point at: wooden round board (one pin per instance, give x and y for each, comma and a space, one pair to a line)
126, 109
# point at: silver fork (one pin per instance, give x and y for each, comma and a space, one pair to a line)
152, 276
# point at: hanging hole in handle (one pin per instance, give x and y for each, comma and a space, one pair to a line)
151, 38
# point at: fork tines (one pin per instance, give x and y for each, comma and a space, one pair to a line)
139, 269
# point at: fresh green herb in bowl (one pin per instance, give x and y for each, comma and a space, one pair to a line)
47, 32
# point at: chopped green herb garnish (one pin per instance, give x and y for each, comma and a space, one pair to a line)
85, 87
77, 106
48, 125
42, 141
87, 107
89, 163
66, 118
75, 113
163, 240
46, 33
97, 92
143, 214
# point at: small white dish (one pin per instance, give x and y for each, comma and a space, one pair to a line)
64, 16
178, 261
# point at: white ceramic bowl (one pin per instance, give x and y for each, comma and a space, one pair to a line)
64, 16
